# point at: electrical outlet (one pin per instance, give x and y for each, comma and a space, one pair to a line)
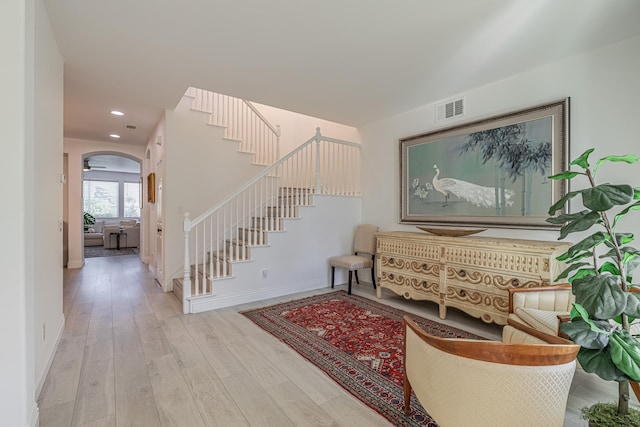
265, 273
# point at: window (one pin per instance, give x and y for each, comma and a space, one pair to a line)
131, 199
101, 198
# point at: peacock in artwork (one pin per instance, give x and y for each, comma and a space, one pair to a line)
473, 193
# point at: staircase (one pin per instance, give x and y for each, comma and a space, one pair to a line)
217, 242
242, 123
218, 263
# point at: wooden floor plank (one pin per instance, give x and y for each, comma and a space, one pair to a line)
96, 389
61, 385
216, 405
57, 416
258, 407
135, 402
175, 403
298, 406
154, 343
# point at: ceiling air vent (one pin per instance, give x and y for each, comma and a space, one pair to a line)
450, 109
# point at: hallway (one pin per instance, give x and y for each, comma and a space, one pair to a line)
129, 357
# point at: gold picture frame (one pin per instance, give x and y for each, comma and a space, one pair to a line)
151, 187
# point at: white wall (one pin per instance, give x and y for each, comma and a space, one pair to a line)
297, 128
44, 212
75, 150
15, 397
153, 162
31, 141
604, 90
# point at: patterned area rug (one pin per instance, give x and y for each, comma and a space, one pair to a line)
357, 342
100, 251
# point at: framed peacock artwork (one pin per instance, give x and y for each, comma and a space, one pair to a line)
491, 172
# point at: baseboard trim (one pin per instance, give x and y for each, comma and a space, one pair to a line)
34, 419
75, 264
214, 302
42, 376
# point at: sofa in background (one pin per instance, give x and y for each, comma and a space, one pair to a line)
94, 237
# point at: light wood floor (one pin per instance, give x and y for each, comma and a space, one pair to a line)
129, 357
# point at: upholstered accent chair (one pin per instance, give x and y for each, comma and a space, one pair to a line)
545, 308
541, 308
522, 381
364, 249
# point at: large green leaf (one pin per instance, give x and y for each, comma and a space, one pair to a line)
627, 158
605, 196
609, 267
571, 268
583, 160
582, 223
565, 175
561, 219
633, 305
587, 243
631, 266
563, 200
600, 363
625, 353
582, 333
624, 238
600, 295
583, 272
626, 210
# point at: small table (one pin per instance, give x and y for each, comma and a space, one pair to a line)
118, 235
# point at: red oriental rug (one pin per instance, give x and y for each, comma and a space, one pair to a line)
357, 342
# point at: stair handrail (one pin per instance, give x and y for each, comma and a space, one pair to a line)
202, 97
188, 224
263, 118
316, 138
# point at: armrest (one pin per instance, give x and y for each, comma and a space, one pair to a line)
550, 339
542, 298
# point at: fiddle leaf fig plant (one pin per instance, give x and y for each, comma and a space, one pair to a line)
600, 269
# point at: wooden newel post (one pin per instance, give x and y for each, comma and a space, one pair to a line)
186, 277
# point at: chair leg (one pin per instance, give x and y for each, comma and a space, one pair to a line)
350, 274
357, 280
373, 273
407, 395
333, 275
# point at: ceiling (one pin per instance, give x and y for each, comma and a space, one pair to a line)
350, 62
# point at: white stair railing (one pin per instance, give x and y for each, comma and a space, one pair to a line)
242, 123
227, 232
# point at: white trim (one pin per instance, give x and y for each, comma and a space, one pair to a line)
42, 376
34, 419
206, 303
75, 264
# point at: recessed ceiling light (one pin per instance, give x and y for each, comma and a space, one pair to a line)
113, 135
117, 113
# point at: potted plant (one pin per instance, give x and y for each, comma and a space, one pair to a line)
88, 220
600, 269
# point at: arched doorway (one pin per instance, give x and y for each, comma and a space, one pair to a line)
111, 204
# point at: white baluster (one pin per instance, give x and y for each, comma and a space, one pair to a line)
186, 271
